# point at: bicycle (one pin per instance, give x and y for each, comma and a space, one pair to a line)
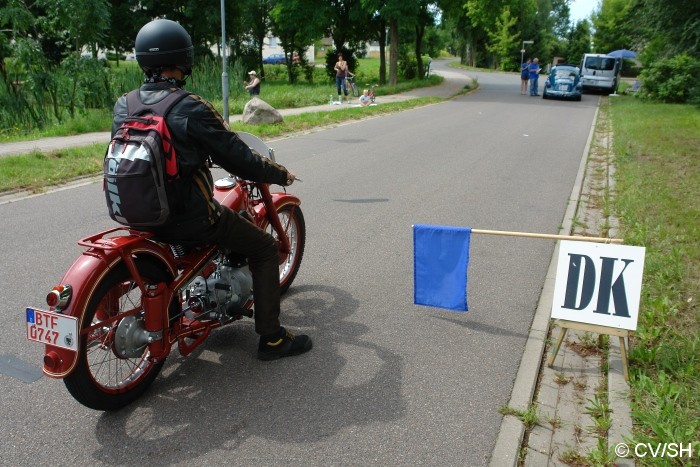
370, 92
350, 80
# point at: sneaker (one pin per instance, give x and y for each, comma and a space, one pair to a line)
286, 345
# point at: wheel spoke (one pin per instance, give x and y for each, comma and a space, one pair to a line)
107, 369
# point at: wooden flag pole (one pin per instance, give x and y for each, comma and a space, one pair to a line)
548, 236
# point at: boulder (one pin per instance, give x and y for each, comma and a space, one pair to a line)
257, 111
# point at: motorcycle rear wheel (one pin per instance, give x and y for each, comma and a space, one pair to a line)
292, 220
103, 380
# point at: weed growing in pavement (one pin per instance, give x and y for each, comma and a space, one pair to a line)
572, 458
586, 345
561, 380
599, 410
602, 455
554, 422
580, 384
528, 417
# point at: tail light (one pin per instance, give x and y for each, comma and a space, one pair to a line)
52, 360
59, 297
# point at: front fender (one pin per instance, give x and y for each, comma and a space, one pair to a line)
278, 201
84, 275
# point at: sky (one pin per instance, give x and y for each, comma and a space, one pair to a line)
581, 9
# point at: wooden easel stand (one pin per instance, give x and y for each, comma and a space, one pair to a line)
566, 325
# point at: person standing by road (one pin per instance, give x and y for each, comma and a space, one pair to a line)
534, 77
524, 76
341, 76
253, 86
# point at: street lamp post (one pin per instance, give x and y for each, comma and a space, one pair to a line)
522, 52
224, 74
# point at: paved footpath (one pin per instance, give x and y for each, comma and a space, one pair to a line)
561, 394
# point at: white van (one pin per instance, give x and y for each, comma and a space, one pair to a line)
599, 72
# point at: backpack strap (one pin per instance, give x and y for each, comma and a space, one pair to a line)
135, 107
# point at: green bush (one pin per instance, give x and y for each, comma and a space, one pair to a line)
408, 65
672, 80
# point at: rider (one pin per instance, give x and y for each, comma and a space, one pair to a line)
164, 52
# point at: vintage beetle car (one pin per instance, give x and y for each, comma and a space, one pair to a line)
564, 82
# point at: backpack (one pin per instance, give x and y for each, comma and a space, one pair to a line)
140, 164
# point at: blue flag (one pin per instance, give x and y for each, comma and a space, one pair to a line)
440, 260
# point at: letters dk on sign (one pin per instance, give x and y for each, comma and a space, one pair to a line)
598, 284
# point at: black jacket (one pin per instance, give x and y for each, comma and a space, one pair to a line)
198, 133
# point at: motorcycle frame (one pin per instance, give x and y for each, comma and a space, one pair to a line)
105, 250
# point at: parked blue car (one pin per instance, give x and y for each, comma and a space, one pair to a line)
563, 82
274, 59
278, 59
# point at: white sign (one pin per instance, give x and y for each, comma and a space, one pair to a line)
599, 284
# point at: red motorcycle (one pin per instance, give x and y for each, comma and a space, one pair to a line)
124, 303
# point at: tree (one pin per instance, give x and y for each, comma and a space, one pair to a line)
394, 11
613, 28
503, 42
484, 15
82, 23
126, 18
378, 30
257, 16
298, 23
669, 27
349, 20
424, 19
579, 41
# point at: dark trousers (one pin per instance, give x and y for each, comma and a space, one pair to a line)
340, 83
237, 235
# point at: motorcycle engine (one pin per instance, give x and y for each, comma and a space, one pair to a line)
223, 293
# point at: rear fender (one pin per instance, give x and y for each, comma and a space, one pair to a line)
84, 275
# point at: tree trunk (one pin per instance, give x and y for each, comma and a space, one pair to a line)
394, 52
382, 55
420, 30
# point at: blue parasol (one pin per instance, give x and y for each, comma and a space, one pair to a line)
622, 53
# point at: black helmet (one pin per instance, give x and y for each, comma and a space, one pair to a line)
164, 43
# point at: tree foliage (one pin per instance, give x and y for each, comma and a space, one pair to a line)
503, 40
673, 79
45, 80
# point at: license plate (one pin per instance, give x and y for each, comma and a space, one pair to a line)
52, 328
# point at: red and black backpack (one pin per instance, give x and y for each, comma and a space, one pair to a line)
140, 164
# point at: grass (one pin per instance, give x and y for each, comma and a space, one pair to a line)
276, 91
658, 203
37, 170
92, 120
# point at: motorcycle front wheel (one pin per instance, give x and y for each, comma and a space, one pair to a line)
292, 220
103, 379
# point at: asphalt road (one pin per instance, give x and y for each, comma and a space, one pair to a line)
388, 382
